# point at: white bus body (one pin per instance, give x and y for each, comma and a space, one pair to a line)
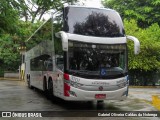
89, 60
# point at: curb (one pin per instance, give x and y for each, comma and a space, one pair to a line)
144, 86
14, 79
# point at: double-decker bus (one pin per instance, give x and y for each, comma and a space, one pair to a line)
85, 60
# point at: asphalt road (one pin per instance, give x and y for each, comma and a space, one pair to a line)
16, 96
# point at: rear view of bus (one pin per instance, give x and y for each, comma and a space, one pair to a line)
95, 54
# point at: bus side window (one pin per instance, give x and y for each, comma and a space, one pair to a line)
59, 62
47, 63
59, 53
40, 65
32, 62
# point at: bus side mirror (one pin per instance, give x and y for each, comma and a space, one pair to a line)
64, 39
136, 44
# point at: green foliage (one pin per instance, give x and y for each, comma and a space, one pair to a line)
9, 55
37, 8
14, 32
8, 24
142, 20
145, 12
44, 32
8, 16
149, 57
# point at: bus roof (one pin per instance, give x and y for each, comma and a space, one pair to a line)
101, 8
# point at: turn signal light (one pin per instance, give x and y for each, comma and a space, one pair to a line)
66, 76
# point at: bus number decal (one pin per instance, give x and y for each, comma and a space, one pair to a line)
75, 79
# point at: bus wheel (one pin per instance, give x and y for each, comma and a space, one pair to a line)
45, 86
29, 83
50, 88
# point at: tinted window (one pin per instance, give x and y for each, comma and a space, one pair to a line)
97, 61
41, 63
59, 53
93, 22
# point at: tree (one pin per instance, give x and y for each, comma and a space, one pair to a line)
141, 19
9, 54
145, 12
8, 16
35, 9
8, 27
145, 65
14, 31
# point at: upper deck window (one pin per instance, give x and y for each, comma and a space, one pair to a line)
93, 22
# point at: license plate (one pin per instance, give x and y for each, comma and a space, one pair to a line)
100, 96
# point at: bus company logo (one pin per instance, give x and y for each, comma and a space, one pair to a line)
100, 83
100, 88
75, 79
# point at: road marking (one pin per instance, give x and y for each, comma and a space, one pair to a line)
156, 101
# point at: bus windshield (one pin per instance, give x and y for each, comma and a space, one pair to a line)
96, 60
93, 22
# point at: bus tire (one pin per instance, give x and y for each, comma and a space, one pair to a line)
29, 82
45, 85
50, 88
